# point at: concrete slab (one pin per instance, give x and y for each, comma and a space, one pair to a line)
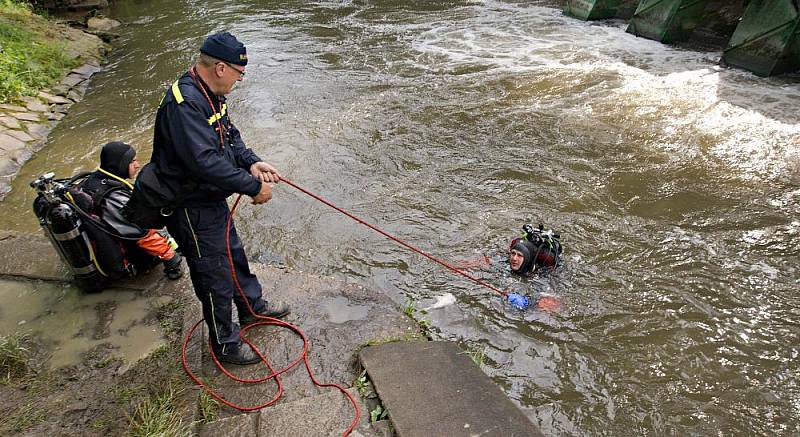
434, 389
337, 318
30, 256
328, 414
241, 425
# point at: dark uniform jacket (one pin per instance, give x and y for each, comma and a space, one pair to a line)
187, 150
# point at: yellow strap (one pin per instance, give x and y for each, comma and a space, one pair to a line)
94, 259
176, 91
218, 115
115, 177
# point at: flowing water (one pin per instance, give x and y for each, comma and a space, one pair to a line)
675, 185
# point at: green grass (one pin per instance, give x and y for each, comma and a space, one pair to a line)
159, 416
478, 355
208, 407
13, 357
24, 417
29, 60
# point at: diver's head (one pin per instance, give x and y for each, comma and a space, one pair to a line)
519, 256
119, 159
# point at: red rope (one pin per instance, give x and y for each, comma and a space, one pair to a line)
398, 241
263, 321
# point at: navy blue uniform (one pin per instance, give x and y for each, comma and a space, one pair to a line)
200, 154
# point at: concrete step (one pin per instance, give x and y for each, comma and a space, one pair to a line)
338, 319
435, 389
327, 414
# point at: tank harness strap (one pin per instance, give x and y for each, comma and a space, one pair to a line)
115, 177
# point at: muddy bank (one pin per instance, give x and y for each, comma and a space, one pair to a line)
102, 392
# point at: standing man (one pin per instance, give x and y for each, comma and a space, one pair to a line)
199, 154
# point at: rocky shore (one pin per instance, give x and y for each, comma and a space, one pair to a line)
26, 122
24, 129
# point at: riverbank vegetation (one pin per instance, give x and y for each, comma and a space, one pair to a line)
32, 55
13, 357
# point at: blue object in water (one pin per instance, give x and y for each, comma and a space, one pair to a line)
519, 301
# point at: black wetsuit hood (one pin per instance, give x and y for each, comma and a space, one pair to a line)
526, 249
115, 158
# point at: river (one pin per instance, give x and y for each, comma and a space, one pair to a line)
674, 183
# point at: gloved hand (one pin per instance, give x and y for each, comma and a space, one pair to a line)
519, 301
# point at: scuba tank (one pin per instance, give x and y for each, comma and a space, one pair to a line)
67, 232
547, 245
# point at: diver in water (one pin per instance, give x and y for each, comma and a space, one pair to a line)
537, 251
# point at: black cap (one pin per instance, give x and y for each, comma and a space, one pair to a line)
115, 158
225, 47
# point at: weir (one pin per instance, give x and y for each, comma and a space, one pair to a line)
591, 9
667, 21
767, 39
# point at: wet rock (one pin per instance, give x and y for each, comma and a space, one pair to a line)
56, 116
25, 116
7, 166
20, 135
107, 37
55, 100
38, 131
10, 122
12, 108
20, 156
62, 109
74, 96
60, 90
37, 106
86, 70
8, 142
73, 79
101, 23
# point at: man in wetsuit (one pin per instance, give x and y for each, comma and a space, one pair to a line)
199, 154
104, 193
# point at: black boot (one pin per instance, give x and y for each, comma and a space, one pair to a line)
173, 267
244, 355
275, 309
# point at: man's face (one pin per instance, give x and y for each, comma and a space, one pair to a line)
228, 75
133, 167
516, 258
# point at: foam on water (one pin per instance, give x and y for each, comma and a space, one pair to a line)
751, 122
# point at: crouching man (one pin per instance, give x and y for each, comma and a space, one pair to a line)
104, 193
